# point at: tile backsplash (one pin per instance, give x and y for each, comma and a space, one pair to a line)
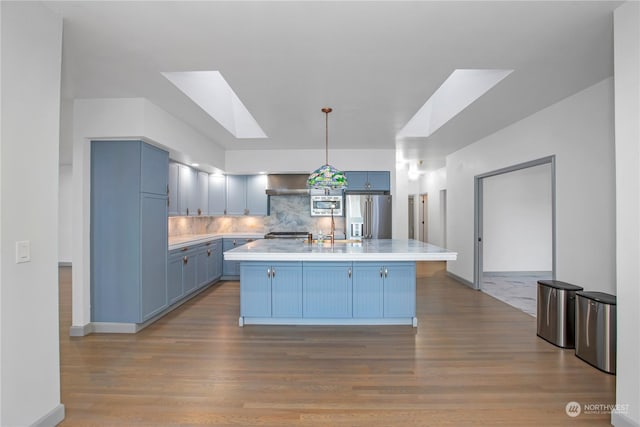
287, 213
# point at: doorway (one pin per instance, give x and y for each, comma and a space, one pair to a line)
422, 218
515, 237
411, 221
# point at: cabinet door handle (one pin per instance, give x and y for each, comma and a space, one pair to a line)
209, 252
273, 272
187, 211
185, 260
386, 272
349, 272
268, 272
199, 211
381, 272
186, 248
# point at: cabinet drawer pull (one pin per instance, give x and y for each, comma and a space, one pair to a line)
186, 248
185, 260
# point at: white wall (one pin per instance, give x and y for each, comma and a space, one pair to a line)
432, 184
579, 131
120, 118
627, 127
65, 210
517, 226
29, 360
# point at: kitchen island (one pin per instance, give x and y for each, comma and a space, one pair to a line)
292, 282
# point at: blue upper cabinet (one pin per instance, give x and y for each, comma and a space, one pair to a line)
368, 181
173, 189
246, 195
236, 194
153, 174
128, 231
186, 184
202, 196
256, 195
217, 194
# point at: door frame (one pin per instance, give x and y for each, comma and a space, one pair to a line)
478, 213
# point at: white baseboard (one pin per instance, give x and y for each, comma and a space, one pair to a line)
622, 420
460, 279
53, 418
516, 273
80, 330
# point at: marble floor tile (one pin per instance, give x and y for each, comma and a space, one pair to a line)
515, 289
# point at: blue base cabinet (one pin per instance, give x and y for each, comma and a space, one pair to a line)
328, 293
231, 269
271, 289
399, 289
327, 289
193, 268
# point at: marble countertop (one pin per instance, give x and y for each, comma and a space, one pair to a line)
368, 250
178, 242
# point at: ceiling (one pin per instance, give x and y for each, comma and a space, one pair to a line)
374, 63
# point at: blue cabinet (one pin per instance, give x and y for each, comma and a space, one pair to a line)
189, 272
246, 195
399, 289
175, 290
201, 256
368, 290
202, 193
173, 189
327, 289
271, 289
368, 181
255, 292
256, 195
236, 194
214, 260
128, 231
231, 269
217, 194
384, 289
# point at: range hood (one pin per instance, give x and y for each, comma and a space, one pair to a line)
287, 184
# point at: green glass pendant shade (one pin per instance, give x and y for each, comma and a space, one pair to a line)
327, 177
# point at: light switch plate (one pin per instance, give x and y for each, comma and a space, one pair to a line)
23, 251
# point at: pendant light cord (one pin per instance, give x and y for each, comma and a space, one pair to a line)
326, 111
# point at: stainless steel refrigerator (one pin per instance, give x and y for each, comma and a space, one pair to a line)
368, 216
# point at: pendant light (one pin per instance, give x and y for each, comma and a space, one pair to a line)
327, 177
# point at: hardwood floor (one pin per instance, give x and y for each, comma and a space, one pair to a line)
473, 360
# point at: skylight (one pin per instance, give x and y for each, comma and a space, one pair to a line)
213, 94
457, 92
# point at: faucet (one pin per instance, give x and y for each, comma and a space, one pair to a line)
333, 226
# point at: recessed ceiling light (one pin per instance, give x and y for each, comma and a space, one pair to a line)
213, 94
195, 165
457, 92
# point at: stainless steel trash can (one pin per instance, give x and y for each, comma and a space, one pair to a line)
596, 329
556, 312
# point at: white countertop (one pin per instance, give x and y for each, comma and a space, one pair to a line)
178, 242
368, 250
